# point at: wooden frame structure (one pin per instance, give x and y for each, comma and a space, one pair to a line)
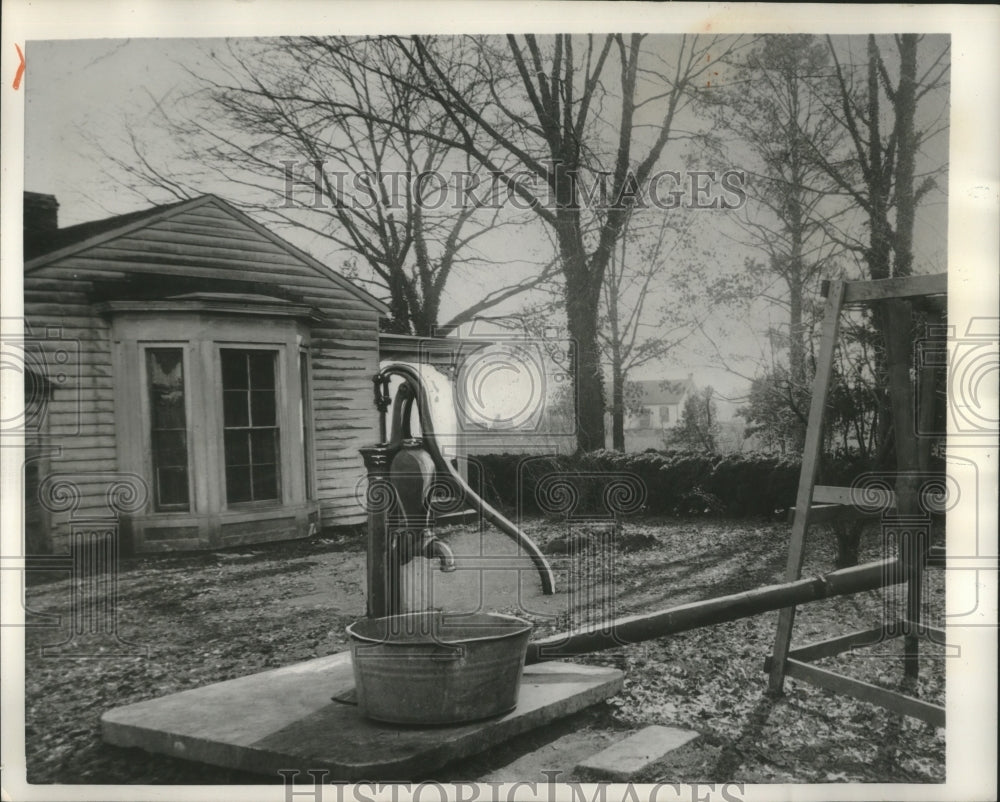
909, 521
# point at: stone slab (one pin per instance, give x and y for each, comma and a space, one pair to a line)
623, 760
285, 719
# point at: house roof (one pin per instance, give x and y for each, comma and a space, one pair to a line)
654, 392
41, 243
43, 248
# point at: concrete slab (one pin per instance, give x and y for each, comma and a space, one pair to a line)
622, 761
285, 719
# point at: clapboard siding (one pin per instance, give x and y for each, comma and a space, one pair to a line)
71, 300
80, 414
80, 465
205, 241
102, 430
235, 229
182, 256
171, 240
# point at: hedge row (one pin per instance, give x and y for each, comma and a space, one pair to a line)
661, 482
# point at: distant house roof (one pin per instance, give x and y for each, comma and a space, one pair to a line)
657, 392
41, 248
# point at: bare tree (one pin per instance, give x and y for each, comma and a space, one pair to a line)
880, 114
771, 108
277, 119
629, 336
559, 109
842, 142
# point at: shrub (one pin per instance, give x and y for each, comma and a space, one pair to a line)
675, 482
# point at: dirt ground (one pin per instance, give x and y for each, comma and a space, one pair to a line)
189, 620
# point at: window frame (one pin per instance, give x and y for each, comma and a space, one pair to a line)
306, 426
144, 347
201, 335
280, 419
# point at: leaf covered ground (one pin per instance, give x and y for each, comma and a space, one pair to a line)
189, 620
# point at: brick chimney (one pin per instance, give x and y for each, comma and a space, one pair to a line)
41, 214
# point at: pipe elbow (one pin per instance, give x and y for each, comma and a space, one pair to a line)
436, 549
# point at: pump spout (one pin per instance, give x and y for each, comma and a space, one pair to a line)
439, 549
412, 543
411, 392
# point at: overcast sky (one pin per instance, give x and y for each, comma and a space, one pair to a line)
79, 93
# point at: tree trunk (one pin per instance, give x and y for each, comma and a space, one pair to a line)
797, 355
581, 319
612, 290
584, 278
589, 392
617, 401
399, 308
906, 103
879, 255
848, 534
797, 335
795, 276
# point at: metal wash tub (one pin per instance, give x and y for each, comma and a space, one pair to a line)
438, 668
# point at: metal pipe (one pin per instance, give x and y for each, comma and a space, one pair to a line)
412, 378
638, 628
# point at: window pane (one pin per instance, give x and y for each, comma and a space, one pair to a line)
166, 388
265, 482
167, 406
261, 370
238, 484
170, 448
234, 369
262, 407
264, 447
169, 413
168, 427
172, 487
237, 447
234, 408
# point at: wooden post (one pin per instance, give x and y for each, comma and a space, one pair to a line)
899, 359
928, 373
807, 478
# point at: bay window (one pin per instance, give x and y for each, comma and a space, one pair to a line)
212, 409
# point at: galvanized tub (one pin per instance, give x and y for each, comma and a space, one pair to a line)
438, 668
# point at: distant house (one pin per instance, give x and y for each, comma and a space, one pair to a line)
654, 403
192, 354
651, 407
